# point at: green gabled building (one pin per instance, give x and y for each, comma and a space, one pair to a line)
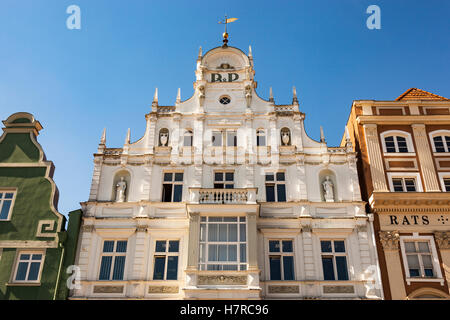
35, 248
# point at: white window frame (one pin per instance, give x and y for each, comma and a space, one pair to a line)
263, 134
437, 133
402, 175
166, 254
173, 183
16, 266
224, 182
3, 191
334, 255
281, 254
394, 133
113, 255
189, 134
232, 142
442, 176
434, 259
275, 183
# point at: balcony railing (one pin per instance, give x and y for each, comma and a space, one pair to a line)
222, 196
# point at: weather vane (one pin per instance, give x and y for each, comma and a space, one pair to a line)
225, 34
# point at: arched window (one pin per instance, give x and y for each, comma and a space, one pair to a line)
441, 143
188, 137
260, 138
285, 137
163, 137
395, 141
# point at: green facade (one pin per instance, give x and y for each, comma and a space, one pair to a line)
34, 225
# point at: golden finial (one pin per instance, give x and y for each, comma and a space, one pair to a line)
225, 34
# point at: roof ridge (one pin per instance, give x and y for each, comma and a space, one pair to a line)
421, 91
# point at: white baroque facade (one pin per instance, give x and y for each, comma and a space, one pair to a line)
226, 196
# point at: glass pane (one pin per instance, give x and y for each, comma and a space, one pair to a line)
215, 219
1, 195
36, 257
218, 186
229, 176
281, 192
287, 246
426, 260
5, 209
414, 272
275, 268
242, 219
179, 176
326, 246
168, 176
108, 246
222, 232
8, 195
280, 176
398, 186
243, 253
222, 256
217, 139
25, 257
243, 267
274, 246
401, 142
202, 232
121, 246
213, 232
270, 193
232, 252
288, 267
119, 266
218, 176
160, 246
167, 193
174, 246
229, 219
214, 267
439, 144
231, 139
339, 246
341, 266
202, 252
413, 261
188, 141
229, 186
22, 271
260, 141
177, 192
105, 268
33, 274
328, 271
429, 272
212, 252
232, 232
158, 270
270, 177
423, 247
447, 140
230, 267
410, 185
172, 267
410, 247
242, 233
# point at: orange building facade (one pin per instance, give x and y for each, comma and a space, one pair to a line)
403, 151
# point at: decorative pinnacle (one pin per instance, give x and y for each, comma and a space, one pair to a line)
347, 134
200, 54
178, 96
103, 139
294, 98
127, 139
270, 95
250, 55
155, 98
322, 136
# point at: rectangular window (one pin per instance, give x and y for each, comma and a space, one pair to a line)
223, 243
404, 184
166, 260
217, 138
112, 263
172, 187
334, 260
6, 203
29, 267
223, 180
275, 187
231, 139
281, 260
419, 259
447, 184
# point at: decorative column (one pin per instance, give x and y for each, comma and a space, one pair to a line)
430, 180
139, 266
390, 243
194, 241
252, 258
98, 161
375, 159
151, 130
84, 258
308, 253
443, 242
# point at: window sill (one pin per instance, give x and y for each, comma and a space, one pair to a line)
23, 284
409, 280
399, 154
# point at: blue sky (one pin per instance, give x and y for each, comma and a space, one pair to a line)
76, 82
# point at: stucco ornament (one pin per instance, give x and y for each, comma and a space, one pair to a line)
201, 94
120, 190
163, 139
285, 138
328, 190
248, 95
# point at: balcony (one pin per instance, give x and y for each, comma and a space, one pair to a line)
222, 196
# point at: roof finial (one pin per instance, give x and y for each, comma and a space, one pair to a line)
178, 96
155, 98
322, 136
127, 139
103, 139
250, 55
200, 53
225, 34
347, 134
270, 95
294, 98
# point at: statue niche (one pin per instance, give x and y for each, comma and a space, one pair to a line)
120, 186
328, 189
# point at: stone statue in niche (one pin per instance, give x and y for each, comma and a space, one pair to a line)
248, 95
328, 192
163, 138
285, 138
201, 94
121, 187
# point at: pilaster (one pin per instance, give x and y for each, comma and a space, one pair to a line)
375, 158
